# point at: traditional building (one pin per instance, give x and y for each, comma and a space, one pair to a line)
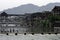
12, 23
56, 12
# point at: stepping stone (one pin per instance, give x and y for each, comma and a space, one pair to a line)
15, 33
24, 33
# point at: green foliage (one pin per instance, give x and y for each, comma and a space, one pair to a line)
53, 18
44, 25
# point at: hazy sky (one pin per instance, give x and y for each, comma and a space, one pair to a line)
5, 4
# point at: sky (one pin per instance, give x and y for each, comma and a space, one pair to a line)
5, 4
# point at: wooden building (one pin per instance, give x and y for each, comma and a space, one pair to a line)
56, 12
12, 23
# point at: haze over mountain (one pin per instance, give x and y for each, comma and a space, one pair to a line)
31, 8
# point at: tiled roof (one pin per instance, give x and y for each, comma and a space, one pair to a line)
56, 8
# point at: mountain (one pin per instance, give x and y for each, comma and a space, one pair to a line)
31, 8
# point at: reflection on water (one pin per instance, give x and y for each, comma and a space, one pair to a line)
30, 37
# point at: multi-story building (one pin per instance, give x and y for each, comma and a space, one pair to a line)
12, 23
56, 12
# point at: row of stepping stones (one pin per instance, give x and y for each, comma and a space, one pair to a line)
31, 33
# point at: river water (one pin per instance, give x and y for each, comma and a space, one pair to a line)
30, 37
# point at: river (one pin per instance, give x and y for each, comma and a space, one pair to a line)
30, 37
